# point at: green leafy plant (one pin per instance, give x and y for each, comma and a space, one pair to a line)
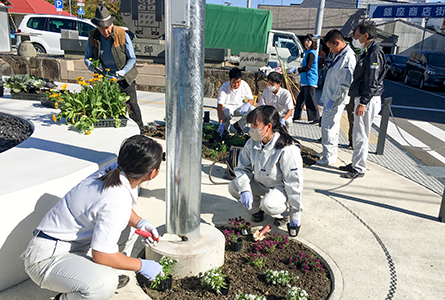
279, 277
305, 262
94, 62
213, 152
214, 279
296, 293
239, 223
100, 98
257, 259
242, 296
231, 236
28, 84
167, 268
238, 139
152, 126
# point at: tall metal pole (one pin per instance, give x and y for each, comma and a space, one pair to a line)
248, 3
319, 21
70, 6
185, 20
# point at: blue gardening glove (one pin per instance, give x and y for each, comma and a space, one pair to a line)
221, 128
147, 226
90, 68
120, 74
283, 122
247, 199
245, 108
150, 268
329, 105
294, 223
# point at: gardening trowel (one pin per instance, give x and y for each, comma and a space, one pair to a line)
167, 237
259, 235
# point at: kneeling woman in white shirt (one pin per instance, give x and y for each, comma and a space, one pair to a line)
269, 175
95, 214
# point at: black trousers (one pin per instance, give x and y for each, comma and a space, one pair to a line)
135, 111
307, 95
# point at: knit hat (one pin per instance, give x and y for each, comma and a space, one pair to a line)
102, 18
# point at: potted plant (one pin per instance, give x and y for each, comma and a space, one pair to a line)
233, 239
296, 293
164, 282
216, 281
279, 277
55, 98
242, 296
99, 103
28, 87
241, 225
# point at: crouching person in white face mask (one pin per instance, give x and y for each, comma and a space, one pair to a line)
269, 175
278, 97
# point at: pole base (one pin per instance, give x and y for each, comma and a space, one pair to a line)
205, 253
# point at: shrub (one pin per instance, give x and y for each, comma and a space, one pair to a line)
305, 262
167, 268
214, 279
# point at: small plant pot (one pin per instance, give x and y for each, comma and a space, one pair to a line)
245, 231
238, 245
225, 290
166, 284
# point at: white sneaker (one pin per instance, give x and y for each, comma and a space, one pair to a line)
322, 162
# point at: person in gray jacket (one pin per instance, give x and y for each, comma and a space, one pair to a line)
366, 88
335, 94
269, 175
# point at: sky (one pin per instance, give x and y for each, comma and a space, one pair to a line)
254, 3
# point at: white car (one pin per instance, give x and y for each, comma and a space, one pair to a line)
48, 28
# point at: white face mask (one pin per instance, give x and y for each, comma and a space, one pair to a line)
357, 44
272, 88
255, 134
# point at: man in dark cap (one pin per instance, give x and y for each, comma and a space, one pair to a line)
113, 47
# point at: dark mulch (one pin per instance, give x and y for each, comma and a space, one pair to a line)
246, 278
13, 131
211, 141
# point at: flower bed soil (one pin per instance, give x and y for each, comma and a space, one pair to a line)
13, 131
309, 156
246, 278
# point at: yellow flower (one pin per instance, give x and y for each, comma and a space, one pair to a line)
79, 78
54, 119
53, 95
56, 105
91, 80
113, 80
51, 90
90, 58
108, 70
89, 132
95, 75
64, 87
100, 76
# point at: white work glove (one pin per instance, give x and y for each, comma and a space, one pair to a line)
329, 105
150, 268
283, 122
221, 128
147, 226
245, 108
121, 73
247, 199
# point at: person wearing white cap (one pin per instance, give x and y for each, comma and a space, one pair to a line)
112, 46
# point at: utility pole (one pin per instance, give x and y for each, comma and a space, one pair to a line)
248, 3
319, 21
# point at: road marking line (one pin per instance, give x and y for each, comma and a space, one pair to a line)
395, 135
430, 128
418, 108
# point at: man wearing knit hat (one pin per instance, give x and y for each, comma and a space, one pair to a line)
112, 46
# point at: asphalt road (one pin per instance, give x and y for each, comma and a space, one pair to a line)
420, 116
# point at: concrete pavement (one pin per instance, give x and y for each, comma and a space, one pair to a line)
380, 233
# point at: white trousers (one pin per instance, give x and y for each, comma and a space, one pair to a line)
361, 131
272, 201
65, 267
330, 128
234, 111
